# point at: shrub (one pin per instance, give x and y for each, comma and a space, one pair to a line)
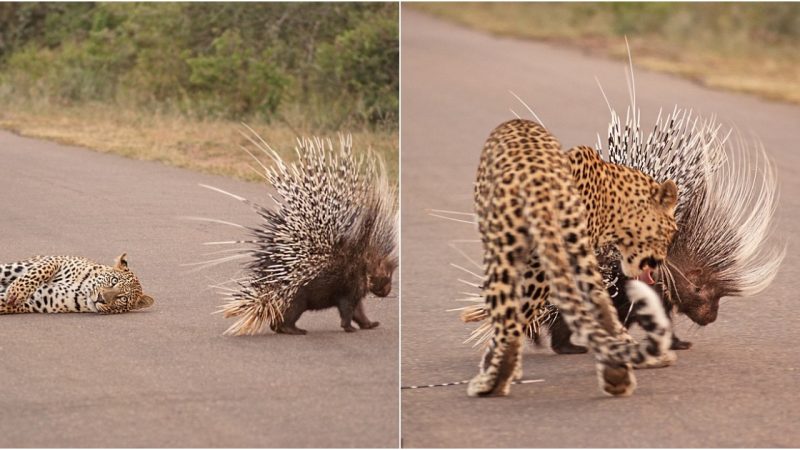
359, 72
235, 80
334, 62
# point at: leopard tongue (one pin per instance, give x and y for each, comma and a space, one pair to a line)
646, 276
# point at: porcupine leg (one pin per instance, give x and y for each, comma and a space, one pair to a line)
347, 307
560, 333
360, 316
560, 338
678, 344
291, 316
535, 291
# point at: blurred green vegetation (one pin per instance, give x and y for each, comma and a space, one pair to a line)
748, 47
721, 24
310, 65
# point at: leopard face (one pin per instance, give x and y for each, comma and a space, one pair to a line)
646, 227
118, 290
627, 209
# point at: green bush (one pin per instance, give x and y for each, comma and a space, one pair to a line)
232, 79
75, 72
336, 63
362, 64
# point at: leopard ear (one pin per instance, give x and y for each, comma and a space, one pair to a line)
667, 194
121, 263
145, 301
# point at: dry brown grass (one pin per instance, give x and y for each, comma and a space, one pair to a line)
734, 63
210, 146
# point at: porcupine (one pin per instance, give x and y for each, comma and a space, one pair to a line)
724, 216
331, 238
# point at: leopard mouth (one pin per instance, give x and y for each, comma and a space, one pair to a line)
647, 266
646, 276
96, 302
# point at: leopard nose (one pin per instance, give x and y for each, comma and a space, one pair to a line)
650, 262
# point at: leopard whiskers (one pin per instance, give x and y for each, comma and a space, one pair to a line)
669, 281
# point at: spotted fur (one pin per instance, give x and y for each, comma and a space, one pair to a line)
541, 214
56, 284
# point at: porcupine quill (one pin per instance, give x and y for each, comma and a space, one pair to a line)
331, 237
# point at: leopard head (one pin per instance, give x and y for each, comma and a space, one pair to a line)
118, 290
647, 225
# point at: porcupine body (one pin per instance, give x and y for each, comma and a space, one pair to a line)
329, 241
723, 247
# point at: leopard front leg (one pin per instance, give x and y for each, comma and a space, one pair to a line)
592, 287
18, 308
655, 350
502, 360
21, 289
574, 280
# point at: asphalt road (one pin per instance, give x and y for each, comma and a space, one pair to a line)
166, 377
740, 384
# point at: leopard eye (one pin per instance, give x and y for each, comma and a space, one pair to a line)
114, 280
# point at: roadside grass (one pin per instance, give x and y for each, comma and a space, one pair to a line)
206, 145
748, 48
172, 82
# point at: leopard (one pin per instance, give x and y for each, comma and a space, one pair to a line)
61, 284
541, 214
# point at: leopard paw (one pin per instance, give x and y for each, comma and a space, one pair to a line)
516, 375
626, 337
666, 359
485, 384
11, 298
617, 381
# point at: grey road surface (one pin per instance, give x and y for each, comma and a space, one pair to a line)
739, 385
166, 377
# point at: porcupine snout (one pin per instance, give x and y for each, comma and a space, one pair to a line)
380, 277
381, 286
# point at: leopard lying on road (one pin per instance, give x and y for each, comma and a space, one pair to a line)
541, 215
54, 284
